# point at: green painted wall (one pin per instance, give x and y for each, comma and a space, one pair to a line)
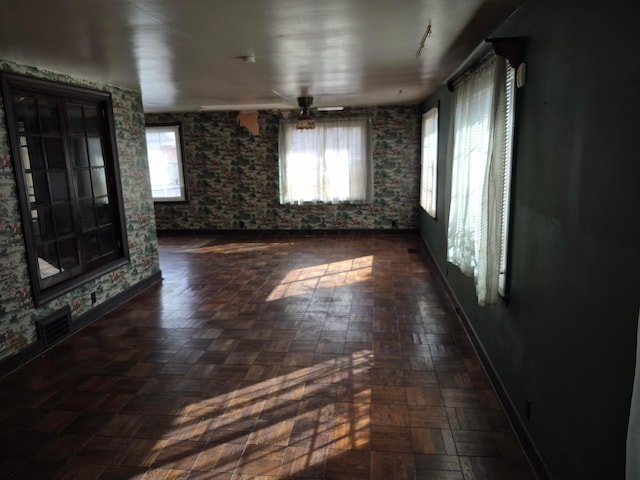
566, 338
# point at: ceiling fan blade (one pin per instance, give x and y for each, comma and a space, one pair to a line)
288, 100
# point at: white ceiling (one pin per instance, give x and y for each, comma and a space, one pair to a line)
183, 54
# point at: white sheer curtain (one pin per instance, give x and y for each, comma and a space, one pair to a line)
633, 434
478, 177
329, 163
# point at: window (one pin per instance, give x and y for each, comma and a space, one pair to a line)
165, 163
63, 145
429, 174
330, 163
481, 177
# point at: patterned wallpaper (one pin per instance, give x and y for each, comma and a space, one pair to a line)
17, 312
233, 175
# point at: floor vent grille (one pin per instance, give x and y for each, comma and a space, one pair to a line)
54, 327
413, 251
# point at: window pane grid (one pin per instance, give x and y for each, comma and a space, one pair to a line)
64, 150
43, 158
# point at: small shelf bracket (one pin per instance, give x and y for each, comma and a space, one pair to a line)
511, 48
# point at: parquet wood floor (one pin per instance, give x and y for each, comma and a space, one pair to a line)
315, 357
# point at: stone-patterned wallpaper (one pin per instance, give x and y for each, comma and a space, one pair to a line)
17, 311
232, 175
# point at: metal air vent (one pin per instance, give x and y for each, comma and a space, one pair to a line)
54, 327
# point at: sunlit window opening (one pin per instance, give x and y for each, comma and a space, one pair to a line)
165, 163
429, 175
329, 164
481, 177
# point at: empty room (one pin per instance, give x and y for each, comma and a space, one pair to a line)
344, 239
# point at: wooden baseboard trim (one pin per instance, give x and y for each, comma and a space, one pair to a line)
114, 302
23, 356
532, 452
37, 348
289, 233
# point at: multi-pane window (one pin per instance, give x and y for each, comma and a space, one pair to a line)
429, 175
66, 172
330, 163
166, 168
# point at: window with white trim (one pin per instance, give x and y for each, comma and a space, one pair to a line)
166, 167
429, 172
481, 176
330, 163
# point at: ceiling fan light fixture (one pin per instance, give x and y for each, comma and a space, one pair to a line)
305, 120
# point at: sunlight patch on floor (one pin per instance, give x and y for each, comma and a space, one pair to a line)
297, 410
239, 247
301, 281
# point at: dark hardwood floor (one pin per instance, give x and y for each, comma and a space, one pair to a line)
291, 356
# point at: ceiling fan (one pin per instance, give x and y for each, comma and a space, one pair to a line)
304, 93
305, 120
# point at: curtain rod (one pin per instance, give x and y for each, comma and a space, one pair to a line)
473, 62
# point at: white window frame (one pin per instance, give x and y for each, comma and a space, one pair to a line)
429, 164
155, 158
319, 174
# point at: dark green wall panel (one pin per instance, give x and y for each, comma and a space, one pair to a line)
566, 338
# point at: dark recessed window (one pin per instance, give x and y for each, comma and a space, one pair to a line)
64, 154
